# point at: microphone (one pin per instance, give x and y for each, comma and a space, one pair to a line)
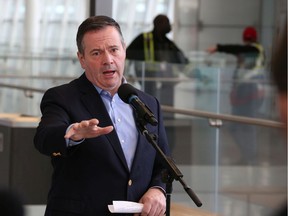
129, 95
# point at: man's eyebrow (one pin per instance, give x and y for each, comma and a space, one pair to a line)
113, 46
95, 49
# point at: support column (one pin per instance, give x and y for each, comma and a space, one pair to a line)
32, 26
100, 7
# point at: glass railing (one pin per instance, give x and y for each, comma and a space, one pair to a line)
233, 157
24, 78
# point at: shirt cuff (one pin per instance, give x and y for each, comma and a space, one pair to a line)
69, 142
161, 189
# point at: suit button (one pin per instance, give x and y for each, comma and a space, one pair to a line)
130, 182
55, 154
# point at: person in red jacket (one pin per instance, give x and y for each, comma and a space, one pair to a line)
247, 93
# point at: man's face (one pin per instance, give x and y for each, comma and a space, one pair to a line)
104, 58
166, 26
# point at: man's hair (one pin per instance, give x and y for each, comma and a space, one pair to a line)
161, 20
95, 23
162, 24
279, 61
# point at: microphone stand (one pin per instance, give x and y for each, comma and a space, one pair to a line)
172, 173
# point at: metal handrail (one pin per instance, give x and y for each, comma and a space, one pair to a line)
24, 88
196, 113
39, 57
11, 76
190, 112
225, 117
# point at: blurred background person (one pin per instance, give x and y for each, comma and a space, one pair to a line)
160, 54
247, 93
10, 203
163, 59
279, 76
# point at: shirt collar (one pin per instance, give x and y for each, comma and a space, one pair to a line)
100, 90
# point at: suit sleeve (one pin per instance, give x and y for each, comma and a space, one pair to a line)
180, 58
49, 137
236, 49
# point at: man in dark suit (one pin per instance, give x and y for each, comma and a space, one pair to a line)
97, 153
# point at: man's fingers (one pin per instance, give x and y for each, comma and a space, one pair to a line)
87, 129
93, 122
105, 130
84, 124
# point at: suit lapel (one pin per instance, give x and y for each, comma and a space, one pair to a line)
94, 104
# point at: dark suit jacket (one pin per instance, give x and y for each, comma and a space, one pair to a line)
89, 176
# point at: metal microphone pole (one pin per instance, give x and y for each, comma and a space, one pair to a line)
173, 173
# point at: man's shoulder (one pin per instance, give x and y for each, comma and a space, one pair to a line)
69, 87
138, 39
145, 96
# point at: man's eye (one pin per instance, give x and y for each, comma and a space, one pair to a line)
96, 53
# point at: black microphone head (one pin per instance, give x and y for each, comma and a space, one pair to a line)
125, 91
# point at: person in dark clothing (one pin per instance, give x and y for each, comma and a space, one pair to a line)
10, 203
161, 56
247, 93
162, 59
279, 76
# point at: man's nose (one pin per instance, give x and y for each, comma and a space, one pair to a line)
107, 58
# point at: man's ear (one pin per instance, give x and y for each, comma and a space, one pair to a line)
81, 59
